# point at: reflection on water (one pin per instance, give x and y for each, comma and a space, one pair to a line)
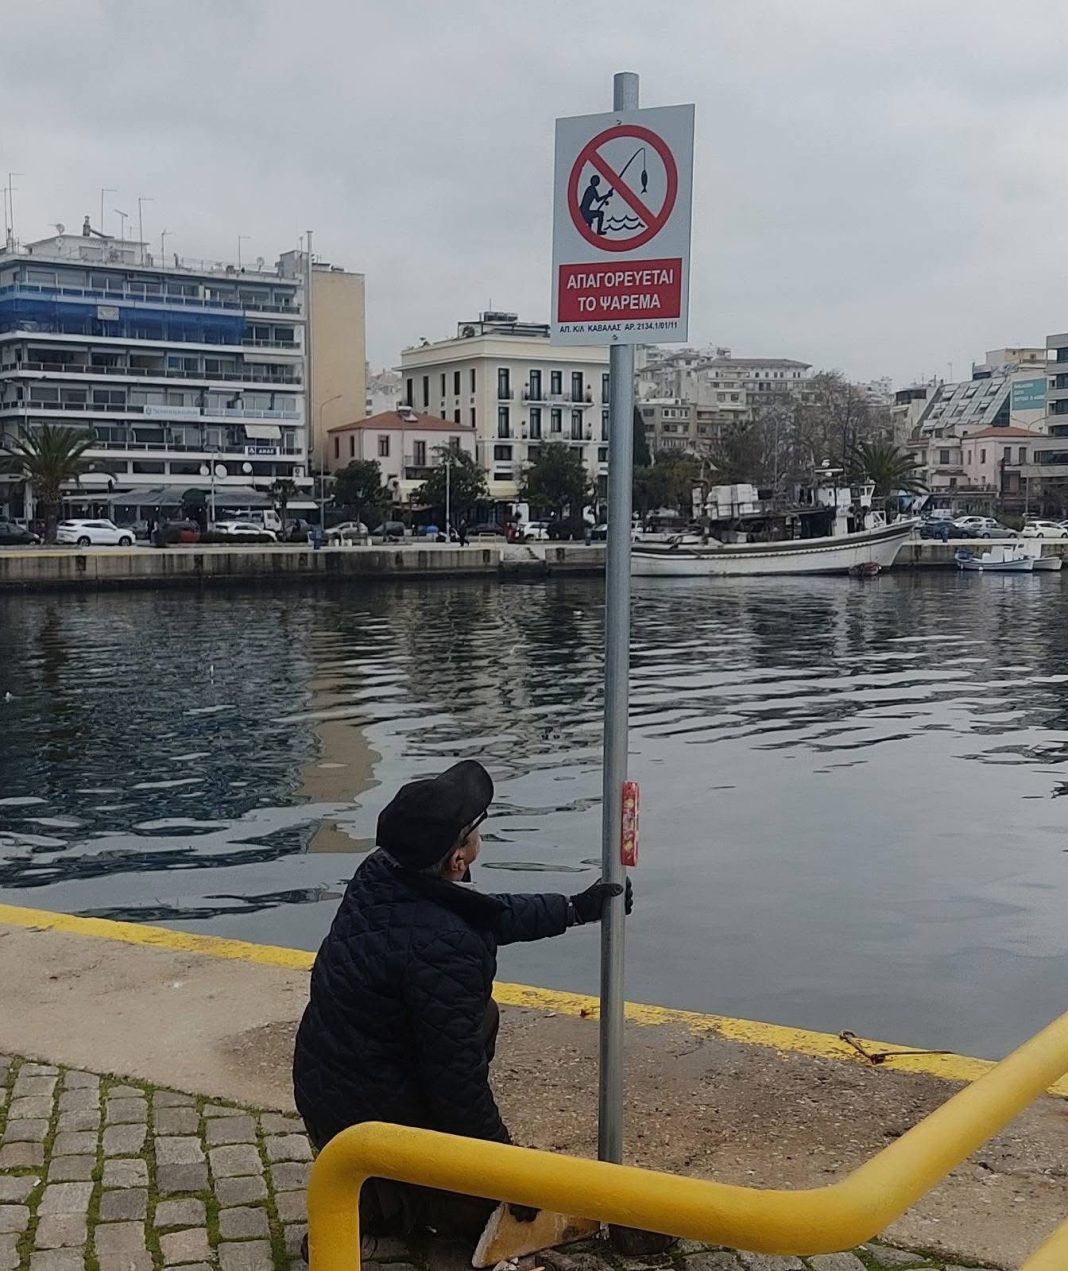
850, 813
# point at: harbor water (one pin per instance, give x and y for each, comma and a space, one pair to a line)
851, 792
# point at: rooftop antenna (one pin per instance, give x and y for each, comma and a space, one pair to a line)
122, 223
141, 200
241, 238
104, 189
10, 219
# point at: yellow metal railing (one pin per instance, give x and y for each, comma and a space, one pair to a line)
1053, 1256
821, 1220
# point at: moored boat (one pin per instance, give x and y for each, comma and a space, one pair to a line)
1001, 558
1033, 547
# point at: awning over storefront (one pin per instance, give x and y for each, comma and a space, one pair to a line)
263, 432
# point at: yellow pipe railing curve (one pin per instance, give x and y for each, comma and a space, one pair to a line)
1053, 1256
819, 1220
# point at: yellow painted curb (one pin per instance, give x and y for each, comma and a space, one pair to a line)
798, 1041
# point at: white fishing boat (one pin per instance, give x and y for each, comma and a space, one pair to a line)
1033, 547
827, 529
1000, 558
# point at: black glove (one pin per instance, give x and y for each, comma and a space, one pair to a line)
588, 905
523, 1213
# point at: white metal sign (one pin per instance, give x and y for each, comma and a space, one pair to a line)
621, 227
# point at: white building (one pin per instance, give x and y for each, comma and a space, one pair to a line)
383, 391
502, 378
406, 444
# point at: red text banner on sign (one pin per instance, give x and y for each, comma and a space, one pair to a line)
644, 288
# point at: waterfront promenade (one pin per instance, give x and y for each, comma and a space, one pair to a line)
184, 1153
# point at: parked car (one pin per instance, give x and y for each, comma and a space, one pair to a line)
939, 527
180, 531
14, 535
348, 532
296, 531
244, 529
485, 529
984, 527
1043, 529
534, 532
394, 530
95, 533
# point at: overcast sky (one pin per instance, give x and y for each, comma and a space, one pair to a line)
879, 184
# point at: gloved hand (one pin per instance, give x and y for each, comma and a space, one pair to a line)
523, 1213
588, 905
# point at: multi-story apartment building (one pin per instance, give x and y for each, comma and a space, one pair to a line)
174, 367
504, 379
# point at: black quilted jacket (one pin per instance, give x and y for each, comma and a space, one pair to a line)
396, 1026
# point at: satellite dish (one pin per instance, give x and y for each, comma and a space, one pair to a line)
467, 333
60, 227
221, 470
246, 468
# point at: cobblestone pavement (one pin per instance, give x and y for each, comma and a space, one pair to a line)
102, 1174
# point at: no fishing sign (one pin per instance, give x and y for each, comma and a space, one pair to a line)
621, 227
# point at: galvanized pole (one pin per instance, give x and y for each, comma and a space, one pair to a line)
616, 675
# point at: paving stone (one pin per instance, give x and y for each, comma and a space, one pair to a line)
14, 1218
293, 1207
125, 1174
233, 1161
241, 1191
243, 1223
709, 1261
61, 1231
230, 1130
183, 1151
21, 1156
185, 1246
171, 1179
66, 1169
177, 1121
9, 1245
290, 1176
79, 1100
889, 1257
65, 1198
275, 1123
75, 1080
247, 1255
288, 1147
38, 1105
57, 1260
128, 1204
221, 1110
180, 1213
68, 1144
126, 1262
30, 1130
124, 1140
125, 1092
33, 1069
14, 1189
119, 1237
31, 1086
78, 1122
294, 1237
172, 1099
127, 1112
768, 1262
836, 1262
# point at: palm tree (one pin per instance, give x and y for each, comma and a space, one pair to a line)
892, 469
282, 490
47, 457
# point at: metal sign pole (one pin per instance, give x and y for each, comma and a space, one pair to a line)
616, 686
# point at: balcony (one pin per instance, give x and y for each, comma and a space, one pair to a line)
505, 394
143, 372
151, 411
138, 296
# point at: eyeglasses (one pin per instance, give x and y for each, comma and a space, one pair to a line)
476, 823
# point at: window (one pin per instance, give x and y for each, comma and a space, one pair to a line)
577, 393
1023, 454
504, 421
456, 383
383, 447
502, 454
604, 425
426, 391
504, 384
602, 454
535, 386
442, 385
419, 453
472, 379
410, 400
337, 447
535, 423
982, 455
454, 445
556, 382
352, 445
576, 425
456, 416
556, 420
472, 412
943, 456
604, 390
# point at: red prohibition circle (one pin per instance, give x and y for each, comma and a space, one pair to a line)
653, 224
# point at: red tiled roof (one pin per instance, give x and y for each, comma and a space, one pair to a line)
409, 420
1000, 432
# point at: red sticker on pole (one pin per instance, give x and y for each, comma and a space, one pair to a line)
628, 839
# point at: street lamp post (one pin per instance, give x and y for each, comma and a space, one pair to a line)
322, 460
